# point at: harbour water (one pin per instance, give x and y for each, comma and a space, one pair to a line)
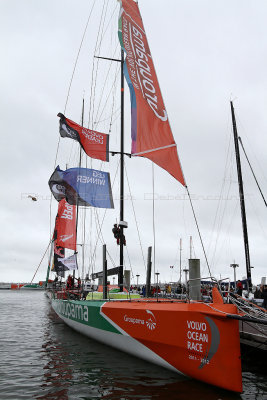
42, 358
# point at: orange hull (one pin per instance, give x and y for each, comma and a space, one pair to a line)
194, 338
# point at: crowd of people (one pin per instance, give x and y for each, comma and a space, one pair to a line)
70, 282
259, 292
162, 290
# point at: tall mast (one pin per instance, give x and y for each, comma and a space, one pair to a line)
80, 164
242, 200
77, 207
120, 276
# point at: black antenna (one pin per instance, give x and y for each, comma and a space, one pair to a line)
242, 199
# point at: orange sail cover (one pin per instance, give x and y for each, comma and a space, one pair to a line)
151, 133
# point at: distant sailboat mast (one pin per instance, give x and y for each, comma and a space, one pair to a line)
242, 200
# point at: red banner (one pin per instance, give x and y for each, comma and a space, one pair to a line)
66, 225
95, 144
151, 133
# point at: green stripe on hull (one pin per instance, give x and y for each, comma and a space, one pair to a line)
84, 312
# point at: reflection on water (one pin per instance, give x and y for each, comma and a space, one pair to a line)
42, 358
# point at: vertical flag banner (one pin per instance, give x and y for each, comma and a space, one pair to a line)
66, 225
151, 133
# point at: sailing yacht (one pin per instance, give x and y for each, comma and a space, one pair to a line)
196, 339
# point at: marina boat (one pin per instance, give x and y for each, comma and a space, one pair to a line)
196, 339
32, 286
5, 286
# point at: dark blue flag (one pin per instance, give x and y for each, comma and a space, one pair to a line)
82, 186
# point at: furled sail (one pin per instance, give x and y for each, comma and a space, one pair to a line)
95, 144
65, 229
151, 133
82, 186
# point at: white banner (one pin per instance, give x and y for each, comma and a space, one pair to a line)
69, 263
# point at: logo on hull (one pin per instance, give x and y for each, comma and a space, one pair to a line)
151, 322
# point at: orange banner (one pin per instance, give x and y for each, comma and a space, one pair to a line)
66, 225
151, 133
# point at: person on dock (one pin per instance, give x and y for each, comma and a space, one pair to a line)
70, 282
264, 296
239, 288
78, 282
257, 293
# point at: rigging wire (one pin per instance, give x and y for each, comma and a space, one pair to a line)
228, 169
100, 225
231, 220
97, 50
153, 214
111, 90
76, 61
77, 206
102, 239
221, 193
220, 222
109, 117
96, 212
110, 19
183, 211
193, 248
99, 40
91, 117
200, 236
41, 260
239, 138
66, 102
251, 147
91, 111
135, 218
95, 73
100, 43
130, 264
93, 256
257, 216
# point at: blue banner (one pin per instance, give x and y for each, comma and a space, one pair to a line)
82, 186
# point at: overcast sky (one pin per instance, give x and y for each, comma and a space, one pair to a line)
205, 52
